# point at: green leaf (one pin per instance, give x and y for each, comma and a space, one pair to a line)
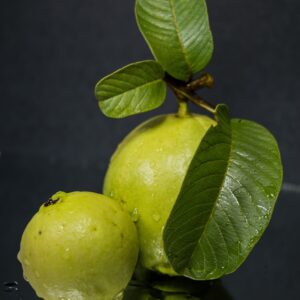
177, 33
226, 200
136, 88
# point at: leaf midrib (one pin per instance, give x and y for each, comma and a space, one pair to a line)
135, 88
185, 56
217, 198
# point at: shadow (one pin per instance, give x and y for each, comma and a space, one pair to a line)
154, 286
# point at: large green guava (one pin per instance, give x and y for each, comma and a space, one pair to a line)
79, 245
146, 173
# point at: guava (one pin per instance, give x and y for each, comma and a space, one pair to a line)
146, 173
79, 245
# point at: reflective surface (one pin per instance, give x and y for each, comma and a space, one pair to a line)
159, 287
270, 272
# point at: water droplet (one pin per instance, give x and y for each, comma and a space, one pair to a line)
119, 296
251, 243
135, 215
26, 262
262, 208
156, 217
37, 274
11, 286
66, 255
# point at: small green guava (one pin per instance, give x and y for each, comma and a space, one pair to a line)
146, 173
79, 245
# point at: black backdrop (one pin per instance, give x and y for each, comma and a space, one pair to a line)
53, 137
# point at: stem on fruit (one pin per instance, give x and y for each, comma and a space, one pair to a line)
182, 102
197, 100
183, 109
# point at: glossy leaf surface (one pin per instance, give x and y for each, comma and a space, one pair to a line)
226, 200
177, 33
136, 88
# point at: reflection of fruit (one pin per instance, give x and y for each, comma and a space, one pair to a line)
155, 286
79, 246
146, 173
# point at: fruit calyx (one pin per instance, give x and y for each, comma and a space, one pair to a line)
50, 202
55, 198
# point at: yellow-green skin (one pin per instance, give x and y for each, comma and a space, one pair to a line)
146, 173
83, 247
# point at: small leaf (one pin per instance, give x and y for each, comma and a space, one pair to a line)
136, 88
226, 200
177, 33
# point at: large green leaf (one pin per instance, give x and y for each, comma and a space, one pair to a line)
226, 200
136, 88
178, 34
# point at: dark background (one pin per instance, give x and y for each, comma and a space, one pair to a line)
53, 136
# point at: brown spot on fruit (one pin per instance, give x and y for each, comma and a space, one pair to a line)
50, 202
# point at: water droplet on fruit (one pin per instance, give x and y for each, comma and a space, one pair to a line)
37, 274
26, 262
135, 215
66, 255
119, 296
156, 217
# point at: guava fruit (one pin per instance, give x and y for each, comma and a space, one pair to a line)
146, 173
79, 245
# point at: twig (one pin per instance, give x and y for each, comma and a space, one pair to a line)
205, 81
